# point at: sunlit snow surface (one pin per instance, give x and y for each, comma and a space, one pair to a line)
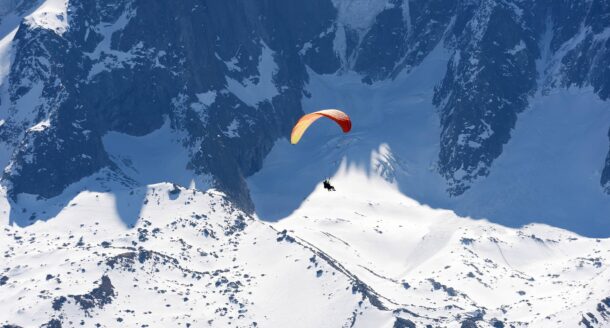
537, 274
190, 258
153, 158
344, 258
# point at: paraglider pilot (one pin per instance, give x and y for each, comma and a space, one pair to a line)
328, 186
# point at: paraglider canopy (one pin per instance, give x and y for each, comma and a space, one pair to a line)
304, 122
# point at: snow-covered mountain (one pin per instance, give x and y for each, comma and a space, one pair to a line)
230, 78
364, 256
148, 179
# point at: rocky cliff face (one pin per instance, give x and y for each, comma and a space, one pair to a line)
489, 78
504, 53
230, 76
128, 66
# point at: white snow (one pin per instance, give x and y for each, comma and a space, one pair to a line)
191, 265
232, 64
154, 158
603, 35
263, 88
517, 48
387, 239
385, 164
107, 58
340, 44
406, 14
107, 29
204, 101
306, 47
183, 246
479, 23
52, 15
40, 126
6, 54
359, 14
207, 98
232, 130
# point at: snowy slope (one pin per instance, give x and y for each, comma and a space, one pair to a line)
190, 258
436, 262
363, 256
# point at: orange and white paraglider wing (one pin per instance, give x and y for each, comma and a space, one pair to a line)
304, 122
